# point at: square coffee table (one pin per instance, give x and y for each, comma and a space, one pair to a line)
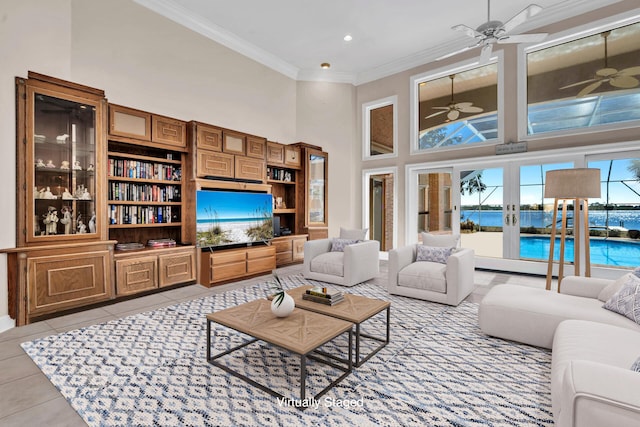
302, 332
355, 308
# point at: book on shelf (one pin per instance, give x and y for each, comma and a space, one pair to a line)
323, 300
324, 292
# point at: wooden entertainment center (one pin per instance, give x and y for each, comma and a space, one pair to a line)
106, 200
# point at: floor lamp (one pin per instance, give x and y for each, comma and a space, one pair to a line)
577, 184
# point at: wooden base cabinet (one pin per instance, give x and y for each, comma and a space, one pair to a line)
289, 249
154, 268
46, 280
225, 265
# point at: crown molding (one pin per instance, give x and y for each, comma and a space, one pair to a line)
188, 19
182, 16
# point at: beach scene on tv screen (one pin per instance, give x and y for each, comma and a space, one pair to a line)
226, 217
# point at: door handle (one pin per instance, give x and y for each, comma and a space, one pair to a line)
506, 219
514, 219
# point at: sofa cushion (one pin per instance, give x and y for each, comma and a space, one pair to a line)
353, 234
424, 275
329, 263
627, 300
441, 240
433, 254
611, 289
338, 245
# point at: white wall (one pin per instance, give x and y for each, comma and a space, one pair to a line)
145, 61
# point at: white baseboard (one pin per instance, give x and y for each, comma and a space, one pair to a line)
6, 323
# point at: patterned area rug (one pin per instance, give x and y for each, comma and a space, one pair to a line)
439, 370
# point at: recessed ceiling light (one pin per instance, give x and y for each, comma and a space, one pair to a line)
325, 65
348, 38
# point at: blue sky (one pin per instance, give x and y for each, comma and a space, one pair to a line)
230, 204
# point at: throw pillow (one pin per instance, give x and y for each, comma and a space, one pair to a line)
627, 300
354, 234
636, 365
610, 290
441, 240
338, 245
433, 254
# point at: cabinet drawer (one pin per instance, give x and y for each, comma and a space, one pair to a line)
282, 245
209, 138
292, 157
256, 147
228, 271
215, 164
261, 265
222, 258
169, 131
67, 281
249, 168
318, 233
136, 275
129, 122
176, 268
260, 252
275, 153
284, 258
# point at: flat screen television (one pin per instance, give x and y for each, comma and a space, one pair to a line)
225, 218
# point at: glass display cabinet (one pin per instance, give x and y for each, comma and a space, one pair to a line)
314, 199
62, 133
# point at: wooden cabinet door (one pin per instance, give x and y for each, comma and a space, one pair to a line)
176, 268
233, 143
169, 131
261, 259
298, 248
283, 247
249, 168
292, 157
58, 282
137, 274
209, 138
215, 164
256, 147
228, 265
130, 123
275, 153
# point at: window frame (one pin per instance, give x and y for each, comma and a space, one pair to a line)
565, 36
414, 97
367, 107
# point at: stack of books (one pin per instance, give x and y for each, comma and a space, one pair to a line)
324, 295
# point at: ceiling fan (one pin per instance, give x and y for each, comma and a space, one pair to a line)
622, 79
498, 32
454, 109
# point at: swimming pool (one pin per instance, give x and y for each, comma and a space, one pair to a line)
618, 253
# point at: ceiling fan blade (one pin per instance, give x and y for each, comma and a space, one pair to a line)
579, 83
471, 110
436, 114
468, 31
631, 71
461, 105
485, 54
440, 108
606, 72
588, 89
453, 115
624, 82
520, 17
523, 38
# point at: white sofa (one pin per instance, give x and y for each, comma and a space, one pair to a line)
593, 349
358, 263
448, 283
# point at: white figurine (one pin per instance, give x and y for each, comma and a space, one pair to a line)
48, 194
40, 164
51, 221
82, 229
62, 139
50, 164
66, 219
76, 166
90, 167
92, 223
66, 195
85, 195
64, 165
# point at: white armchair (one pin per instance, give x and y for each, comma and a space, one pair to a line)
446, 283
357, 263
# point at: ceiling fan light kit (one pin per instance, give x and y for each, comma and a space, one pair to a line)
493, 31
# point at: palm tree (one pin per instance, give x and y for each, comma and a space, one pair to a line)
634, 168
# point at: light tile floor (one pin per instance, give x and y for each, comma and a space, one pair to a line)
27, 398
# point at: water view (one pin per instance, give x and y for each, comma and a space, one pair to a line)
614, 219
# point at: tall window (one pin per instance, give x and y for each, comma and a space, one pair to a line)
457, 108
591, 81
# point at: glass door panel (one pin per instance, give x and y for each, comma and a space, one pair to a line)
435, 204
316, 188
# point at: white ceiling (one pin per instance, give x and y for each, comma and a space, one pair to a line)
295, 36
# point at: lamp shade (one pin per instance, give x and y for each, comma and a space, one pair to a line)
577, 183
